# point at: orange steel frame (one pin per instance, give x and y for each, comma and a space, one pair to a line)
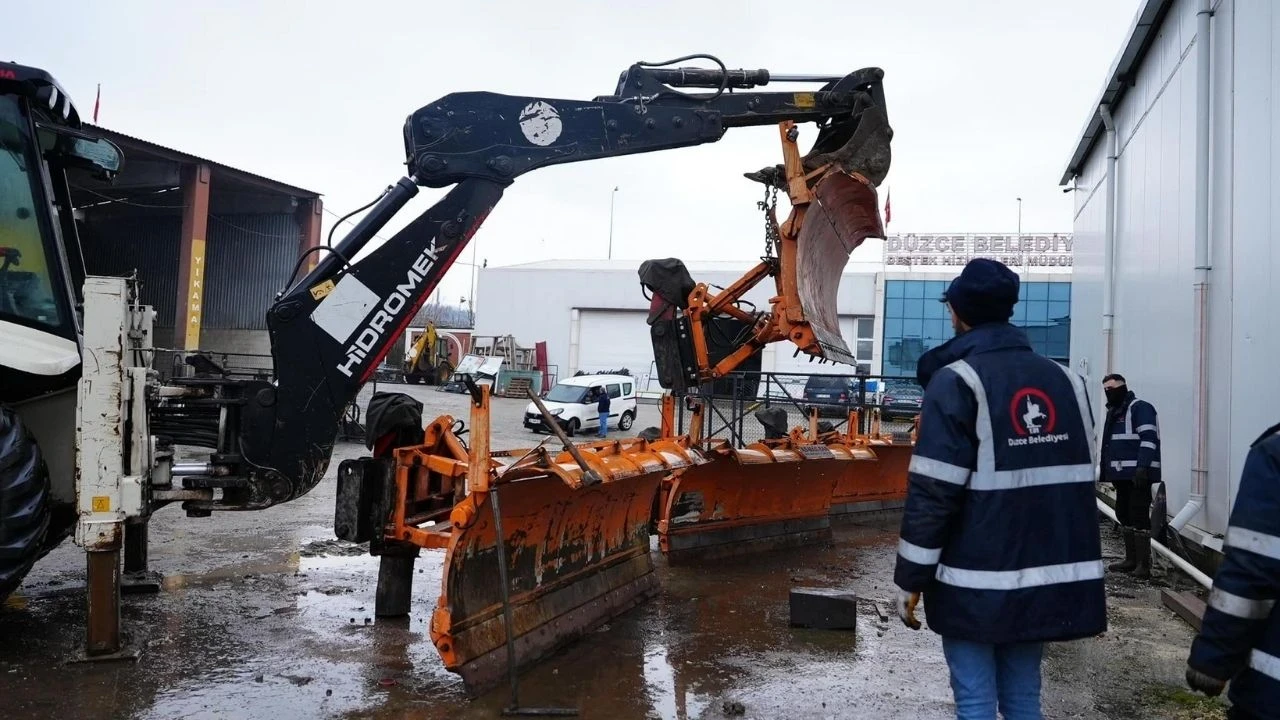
786, 321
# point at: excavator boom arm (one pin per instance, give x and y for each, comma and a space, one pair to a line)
330, 330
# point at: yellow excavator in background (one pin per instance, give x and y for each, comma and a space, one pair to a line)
428, 360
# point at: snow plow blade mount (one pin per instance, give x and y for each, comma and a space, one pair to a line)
576, 541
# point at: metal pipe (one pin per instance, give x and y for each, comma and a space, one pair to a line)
1109, 245
1186, 567
192, 468
803, 77
1200, 389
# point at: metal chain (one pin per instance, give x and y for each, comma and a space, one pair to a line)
770, 228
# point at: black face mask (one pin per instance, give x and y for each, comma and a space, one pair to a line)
1117, 395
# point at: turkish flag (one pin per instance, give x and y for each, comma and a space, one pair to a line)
886, 208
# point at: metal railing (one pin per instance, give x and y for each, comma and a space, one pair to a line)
734, 404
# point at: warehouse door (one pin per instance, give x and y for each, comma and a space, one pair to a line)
613, 340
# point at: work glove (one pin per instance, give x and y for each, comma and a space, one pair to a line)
1141, 475
1210, 686
907, 602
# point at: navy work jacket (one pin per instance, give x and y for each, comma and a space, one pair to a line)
1000, 530
1239, 637
1131, 440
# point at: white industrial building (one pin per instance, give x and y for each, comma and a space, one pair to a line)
1176, 275
592, 313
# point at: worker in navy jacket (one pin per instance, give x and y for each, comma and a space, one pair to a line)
1130, 461
1000, 530
1239, 639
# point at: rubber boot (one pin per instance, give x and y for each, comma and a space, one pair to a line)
1142, 546
1130, 560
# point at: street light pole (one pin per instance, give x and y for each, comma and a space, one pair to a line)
612, 196
1019, 218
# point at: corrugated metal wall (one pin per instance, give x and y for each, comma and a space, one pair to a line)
248, 258
118, 246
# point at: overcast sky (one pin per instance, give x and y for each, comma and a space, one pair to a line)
986, 99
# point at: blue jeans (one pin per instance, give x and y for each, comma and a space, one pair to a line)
983, 674
604, 424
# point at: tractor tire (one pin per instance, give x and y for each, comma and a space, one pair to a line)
24, 501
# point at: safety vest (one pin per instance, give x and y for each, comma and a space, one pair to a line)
1002, 537
1131, 440
1239, 637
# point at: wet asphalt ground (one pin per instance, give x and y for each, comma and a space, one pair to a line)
266, 615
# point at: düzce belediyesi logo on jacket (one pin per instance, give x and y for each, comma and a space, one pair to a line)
1034, 418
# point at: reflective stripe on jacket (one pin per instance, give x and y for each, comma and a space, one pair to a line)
1131, 440
1239, 637
1000, 528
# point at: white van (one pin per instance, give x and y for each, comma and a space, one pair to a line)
571, 403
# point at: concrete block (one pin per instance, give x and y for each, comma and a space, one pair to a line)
823, 609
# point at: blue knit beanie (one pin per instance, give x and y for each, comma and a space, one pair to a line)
984, 292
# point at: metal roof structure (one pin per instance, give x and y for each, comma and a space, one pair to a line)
139, 148
1142, 32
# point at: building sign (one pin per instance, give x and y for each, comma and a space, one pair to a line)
1016, 251
195, 295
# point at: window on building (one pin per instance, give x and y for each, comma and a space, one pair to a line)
864, 332
915, 322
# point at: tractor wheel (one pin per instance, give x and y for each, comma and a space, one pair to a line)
24, 501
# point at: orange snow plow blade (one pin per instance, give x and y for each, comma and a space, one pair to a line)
575, 529
766, 495
881, 485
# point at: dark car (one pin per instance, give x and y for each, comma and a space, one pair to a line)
901, 401
832, 395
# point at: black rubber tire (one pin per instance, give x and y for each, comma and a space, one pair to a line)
24, 501
624, 422
572, 428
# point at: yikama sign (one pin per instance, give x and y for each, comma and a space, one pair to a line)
1026, 251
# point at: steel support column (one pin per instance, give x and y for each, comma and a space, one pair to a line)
191, 257
310, 214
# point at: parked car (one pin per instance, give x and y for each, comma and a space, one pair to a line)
901, 400
832, 395
571, 403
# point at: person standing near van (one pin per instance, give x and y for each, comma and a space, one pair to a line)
602, 407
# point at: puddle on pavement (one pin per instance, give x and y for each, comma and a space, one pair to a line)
292, 634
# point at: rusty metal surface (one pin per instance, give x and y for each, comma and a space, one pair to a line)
102, 634
577, 551
882, 480
842, 214
748, 499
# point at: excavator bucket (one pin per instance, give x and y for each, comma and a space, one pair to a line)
574, 535
766, 495
843, 213
881, 485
